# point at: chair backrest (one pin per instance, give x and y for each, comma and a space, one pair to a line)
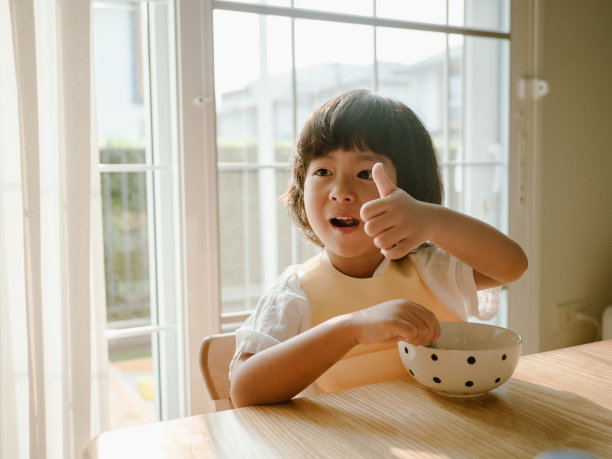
216, 352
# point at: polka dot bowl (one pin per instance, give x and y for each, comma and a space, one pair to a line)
468, 360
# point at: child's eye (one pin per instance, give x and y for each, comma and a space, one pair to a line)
322, 172
365, 175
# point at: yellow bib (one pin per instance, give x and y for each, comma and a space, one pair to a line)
331, 293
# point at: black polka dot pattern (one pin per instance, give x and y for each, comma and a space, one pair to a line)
471, 360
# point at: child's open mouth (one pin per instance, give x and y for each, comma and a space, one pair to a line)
344, 222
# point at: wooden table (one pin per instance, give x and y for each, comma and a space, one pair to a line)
556, 399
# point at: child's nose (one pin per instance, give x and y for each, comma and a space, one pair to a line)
342, 192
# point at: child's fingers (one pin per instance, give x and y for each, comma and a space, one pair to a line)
426, 323
395, 251
415, 324
383, 183
398, 250
415, 333
372, 209
378, 225
394, 320
389, 238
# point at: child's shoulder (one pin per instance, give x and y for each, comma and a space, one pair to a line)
287, 278
311, 265
286, 285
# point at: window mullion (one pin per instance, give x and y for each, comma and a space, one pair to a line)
151, 153
114, 334
105, 168
294, 233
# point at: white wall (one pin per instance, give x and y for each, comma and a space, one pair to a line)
576, 188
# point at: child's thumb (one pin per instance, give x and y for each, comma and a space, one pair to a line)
381, 179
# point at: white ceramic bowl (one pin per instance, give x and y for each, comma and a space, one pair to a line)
468, 360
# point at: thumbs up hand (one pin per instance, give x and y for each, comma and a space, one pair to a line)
383, 183
396, 221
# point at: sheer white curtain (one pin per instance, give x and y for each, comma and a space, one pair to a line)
52, 349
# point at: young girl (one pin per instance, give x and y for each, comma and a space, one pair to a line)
366, 187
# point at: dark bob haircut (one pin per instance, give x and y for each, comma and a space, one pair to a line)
363, 120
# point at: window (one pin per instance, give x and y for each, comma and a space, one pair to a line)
448, 60
136, 125
193, 164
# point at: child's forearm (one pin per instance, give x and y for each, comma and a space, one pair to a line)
283, 371
495, 258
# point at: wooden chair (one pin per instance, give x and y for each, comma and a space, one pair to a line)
216, 352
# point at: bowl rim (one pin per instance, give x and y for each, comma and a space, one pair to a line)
475, 325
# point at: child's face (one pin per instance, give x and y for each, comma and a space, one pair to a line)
336, 187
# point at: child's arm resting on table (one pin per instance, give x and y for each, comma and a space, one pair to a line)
399, 223
279, 373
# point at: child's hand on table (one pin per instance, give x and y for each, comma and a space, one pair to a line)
396, 221
395, 320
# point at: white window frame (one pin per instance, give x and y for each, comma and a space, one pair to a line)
525, 163
199, 169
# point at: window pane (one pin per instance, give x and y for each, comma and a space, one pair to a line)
255, 124
488, 15
485, 69
239, 240
162, 85
293, 247
258, 240
249, 240
267, 2
454, 148
414, 72
330, 58
485, 194
359, 7
478, 128
121, 154
430, 11
126, 249
131, 381
286, 235
136, 103
253, 86
120, 79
